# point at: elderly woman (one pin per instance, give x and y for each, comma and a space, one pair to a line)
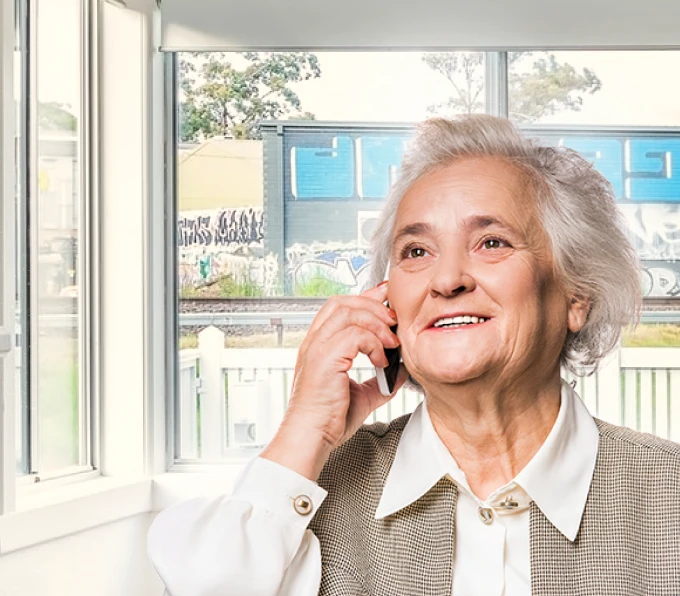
507, 261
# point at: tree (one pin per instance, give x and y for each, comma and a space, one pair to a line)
221, 98
538, 86
465, 71
55, 116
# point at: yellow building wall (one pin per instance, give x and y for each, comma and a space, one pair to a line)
221, 173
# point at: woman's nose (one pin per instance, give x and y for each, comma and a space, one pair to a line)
450, 276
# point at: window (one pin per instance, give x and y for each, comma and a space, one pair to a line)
282, 164
589, 88
53, 403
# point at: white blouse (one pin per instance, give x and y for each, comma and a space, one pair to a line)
256, 543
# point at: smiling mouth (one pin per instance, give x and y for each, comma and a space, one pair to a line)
456, 322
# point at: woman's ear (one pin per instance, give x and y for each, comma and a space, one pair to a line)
578, 312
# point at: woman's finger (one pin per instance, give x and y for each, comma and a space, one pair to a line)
346, 317
345, 345
371, 300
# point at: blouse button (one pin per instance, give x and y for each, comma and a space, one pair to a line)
486, 515
302, 505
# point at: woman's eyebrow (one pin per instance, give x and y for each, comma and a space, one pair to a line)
480, 222
414, 229
470, 224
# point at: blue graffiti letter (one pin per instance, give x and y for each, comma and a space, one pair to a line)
379, 157
323, 172
606, 155
653, 168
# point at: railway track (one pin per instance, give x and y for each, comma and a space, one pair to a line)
296, 303
656, 303
236, 305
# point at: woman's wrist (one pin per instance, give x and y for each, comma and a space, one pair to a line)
300, 449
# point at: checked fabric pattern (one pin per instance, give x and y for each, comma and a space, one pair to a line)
628, 543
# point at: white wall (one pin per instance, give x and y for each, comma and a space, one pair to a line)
105, 561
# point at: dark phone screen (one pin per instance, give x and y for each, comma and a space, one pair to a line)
392, 369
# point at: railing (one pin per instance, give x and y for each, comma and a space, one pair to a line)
234, 399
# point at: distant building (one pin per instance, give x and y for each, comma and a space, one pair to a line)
220, 173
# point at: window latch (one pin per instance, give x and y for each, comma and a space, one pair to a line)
5, 343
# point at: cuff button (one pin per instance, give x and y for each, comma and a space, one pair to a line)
303, 505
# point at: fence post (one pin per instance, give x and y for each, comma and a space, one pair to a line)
212, 400
609, 389
188, 409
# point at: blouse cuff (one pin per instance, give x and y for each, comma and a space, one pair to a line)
280, 490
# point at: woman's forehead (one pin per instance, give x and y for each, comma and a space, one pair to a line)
470, 194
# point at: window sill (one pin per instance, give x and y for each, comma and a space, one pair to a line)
48, 513
52, 513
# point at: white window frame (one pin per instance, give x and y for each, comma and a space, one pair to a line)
128, 283
87, 390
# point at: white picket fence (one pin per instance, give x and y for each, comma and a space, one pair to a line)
234, 399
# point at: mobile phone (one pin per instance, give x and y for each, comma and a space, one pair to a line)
387, 377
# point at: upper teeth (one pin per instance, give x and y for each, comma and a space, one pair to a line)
459, 320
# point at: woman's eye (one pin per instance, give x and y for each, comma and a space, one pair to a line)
415, 252
491, 243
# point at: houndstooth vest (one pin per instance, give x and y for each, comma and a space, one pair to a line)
628, 543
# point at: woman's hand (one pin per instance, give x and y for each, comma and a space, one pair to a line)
327, 407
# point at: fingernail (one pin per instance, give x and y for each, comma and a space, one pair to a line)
393, 313
382, 283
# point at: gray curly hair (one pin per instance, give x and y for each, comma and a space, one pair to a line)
593, 256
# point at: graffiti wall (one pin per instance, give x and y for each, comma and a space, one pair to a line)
655, 232
221, 227
225, 243
345, 268
336, 175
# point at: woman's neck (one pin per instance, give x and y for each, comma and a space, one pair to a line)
493, 434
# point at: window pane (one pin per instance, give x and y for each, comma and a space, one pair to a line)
280, 183
612, 88
269, 226
56, 230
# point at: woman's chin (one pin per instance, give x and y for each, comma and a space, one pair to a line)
450, 374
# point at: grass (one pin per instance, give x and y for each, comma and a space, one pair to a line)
291, 339
223, 287
652, 335
58, 403
321, 287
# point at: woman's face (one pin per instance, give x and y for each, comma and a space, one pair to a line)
467, 242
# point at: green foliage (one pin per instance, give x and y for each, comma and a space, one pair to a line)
228, 98
320, 286
59, 411
538, 86
223, 287
648, 335
55, 116
230, 288
549, 87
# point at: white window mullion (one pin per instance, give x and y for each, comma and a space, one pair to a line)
85, 221
7, 255
496, 84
